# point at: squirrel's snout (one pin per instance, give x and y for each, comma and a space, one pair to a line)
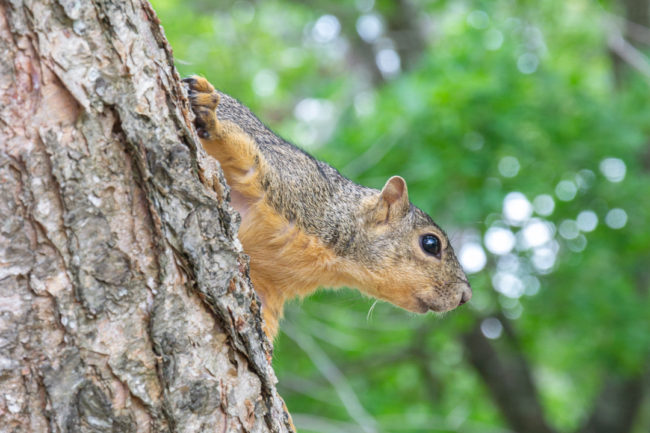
467, 295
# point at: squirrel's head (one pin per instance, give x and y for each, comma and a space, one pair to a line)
409, 258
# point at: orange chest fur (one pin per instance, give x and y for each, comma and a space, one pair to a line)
285, 261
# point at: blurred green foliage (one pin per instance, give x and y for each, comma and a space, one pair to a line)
487, 99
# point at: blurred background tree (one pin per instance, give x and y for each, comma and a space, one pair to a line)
521, 127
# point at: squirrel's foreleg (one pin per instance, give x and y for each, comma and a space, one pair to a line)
243, 165
225, 141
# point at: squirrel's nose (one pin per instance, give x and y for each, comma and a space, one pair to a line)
467, 295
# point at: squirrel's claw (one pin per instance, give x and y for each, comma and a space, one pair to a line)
204, 100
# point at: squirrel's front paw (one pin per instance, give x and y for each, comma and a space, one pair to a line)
204, 100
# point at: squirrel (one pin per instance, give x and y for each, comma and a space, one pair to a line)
306, 226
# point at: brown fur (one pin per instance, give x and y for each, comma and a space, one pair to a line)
305, 226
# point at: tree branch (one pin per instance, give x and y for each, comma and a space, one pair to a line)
345, 392
617, 406
508, 378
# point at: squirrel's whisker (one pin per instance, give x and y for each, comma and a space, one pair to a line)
372, 307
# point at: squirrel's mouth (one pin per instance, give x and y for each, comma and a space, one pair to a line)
435, 307
425, 307
464, 294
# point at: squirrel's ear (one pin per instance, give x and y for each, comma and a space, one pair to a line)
394, 191
393, 200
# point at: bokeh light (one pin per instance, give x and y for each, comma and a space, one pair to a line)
587, 220
569, 229
388, 62
478, 19
616, 218
508, 166
508, 284
472, 257
493, 39
527, 63
265, 82
613, 168
516, 208
499, 240
536, 233
492, 328
544, 204
566, 190
369, 27
326, 29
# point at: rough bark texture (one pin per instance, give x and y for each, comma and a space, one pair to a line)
124, 300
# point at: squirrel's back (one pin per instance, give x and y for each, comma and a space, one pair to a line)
306, 191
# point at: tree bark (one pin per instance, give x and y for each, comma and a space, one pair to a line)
125, 303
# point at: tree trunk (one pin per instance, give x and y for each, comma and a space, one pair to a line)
125, 303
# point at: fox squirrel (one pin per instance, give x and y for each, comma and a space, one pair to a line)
304, 225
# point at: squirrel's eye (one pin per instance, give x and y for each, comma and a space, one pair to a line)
430, 244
